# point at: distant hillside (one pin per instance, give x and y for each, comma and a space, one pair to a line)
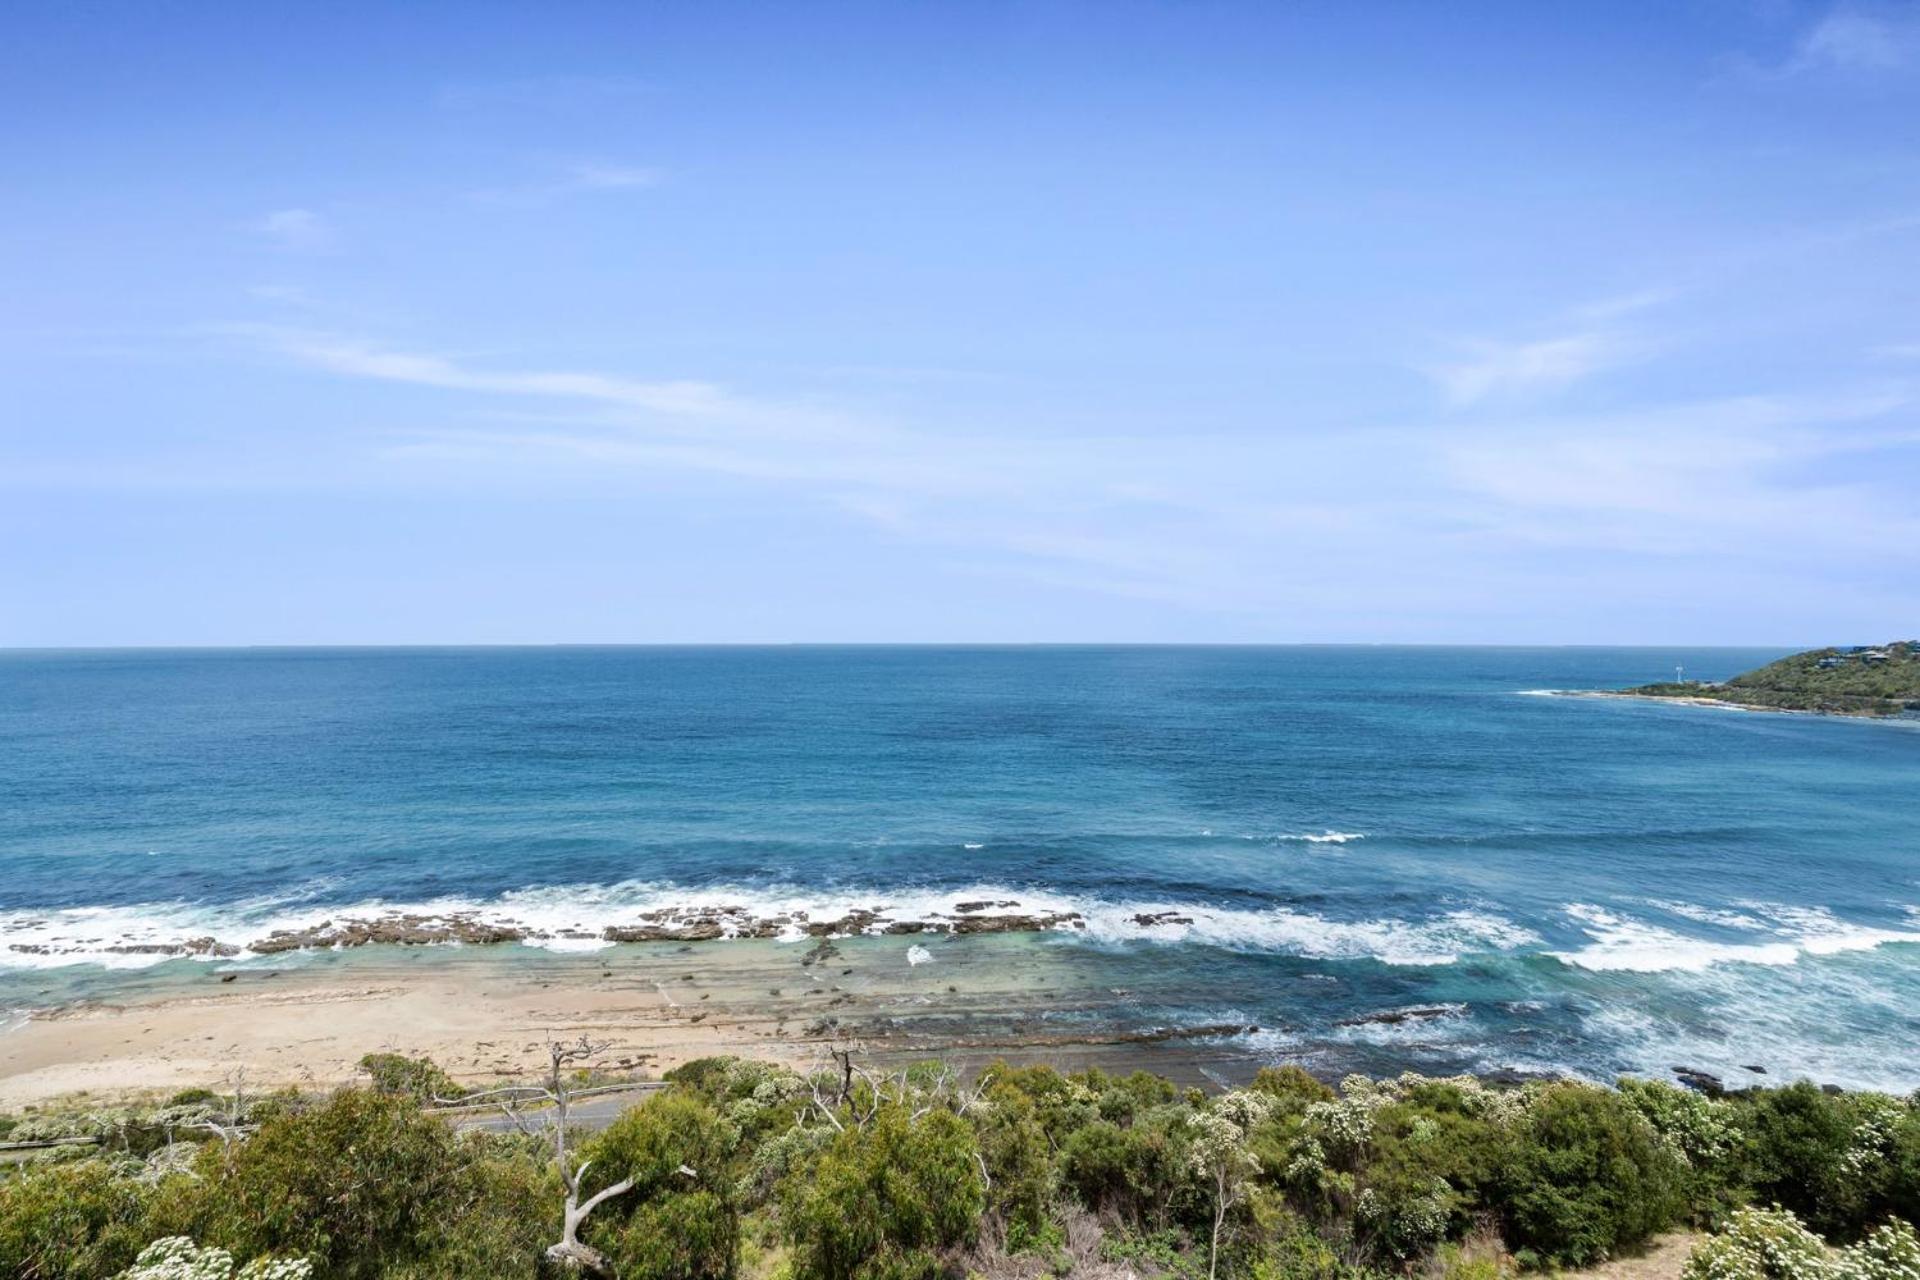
1868, 680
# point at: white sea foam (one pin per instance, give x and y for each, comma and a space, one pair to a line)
575, 916
918, 955
1785, 934
1709, 915
1779, 1019
1436, 940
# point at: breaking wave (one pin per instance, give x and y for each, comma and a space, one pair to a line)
576, 918
1770, 934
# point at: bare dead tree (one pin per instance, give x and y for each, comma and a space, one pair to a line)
555, 1091
234, 1124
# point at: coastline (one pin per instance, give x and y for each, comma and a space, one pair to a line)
1723, 704
483, 1016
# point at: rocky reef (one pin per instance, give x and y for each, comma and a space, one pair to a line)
669, 924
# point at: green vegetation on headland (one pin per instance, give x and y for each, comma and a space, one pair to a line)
740, 1169
1870, 680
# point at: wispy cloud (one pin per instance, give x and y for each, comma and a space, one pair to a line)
579, 178
361, 360
1857, 40
1496, 370
295, 230
1261, 524
1849, 40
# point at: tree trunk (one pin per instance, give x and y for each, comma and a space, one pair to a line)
1219, 1217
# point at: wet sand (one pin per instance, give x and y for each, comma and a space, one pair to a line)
484, 1013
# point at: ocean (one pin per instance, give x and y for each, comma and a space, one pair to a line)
1314, 836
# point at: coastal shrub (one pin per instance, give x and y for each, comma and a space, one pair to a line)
1761, 1244
1891, 1252
497, 1219
1126, 1097
1280, 1244
1903, 1165
1219, 1158
735, 1170
1706, 1134
418, 1078
1097, 1165
777, 1156
1018, 1158
755, 1097
1771, 1244
1137, 1172
1588, 1177
1798, 1139
1292, 1089
680, 1221
1060, 1103
84, 1220
358, 1184
178, 1258
882, 1202
1434, 1162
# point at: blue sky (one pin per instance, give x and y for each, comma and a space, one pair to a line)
971, 322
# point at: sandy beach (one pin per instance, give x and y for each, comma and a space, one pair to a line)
485, 1013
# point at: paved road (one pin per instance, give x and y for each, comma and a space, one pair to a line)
593, 1113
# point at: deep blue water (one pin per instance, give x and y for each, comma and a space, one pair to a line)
1599, 885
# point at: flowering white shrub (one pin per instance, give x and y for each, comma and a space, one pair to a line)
1219, 1154
178, 1258
1344, 1125
1770, 1244
1892, 1252
1873, 1136
1762, 1244
1701, 1130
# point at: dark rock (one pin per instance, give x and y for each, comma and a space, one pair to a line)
1394, 1017
1703, 1081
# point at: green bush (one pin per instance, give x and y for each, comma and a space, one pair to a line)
78, 1221
1403, 1176
418, 1078
1017, 1154
358, 1184
1706, 1134
1841, 1162
1588, 1178
1291, 1088
1138, 1172
881, 1201
1434, 1162
672, 1225
497, 1219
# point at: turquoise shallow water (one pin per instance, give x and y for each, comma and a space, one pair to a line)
1581, 884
